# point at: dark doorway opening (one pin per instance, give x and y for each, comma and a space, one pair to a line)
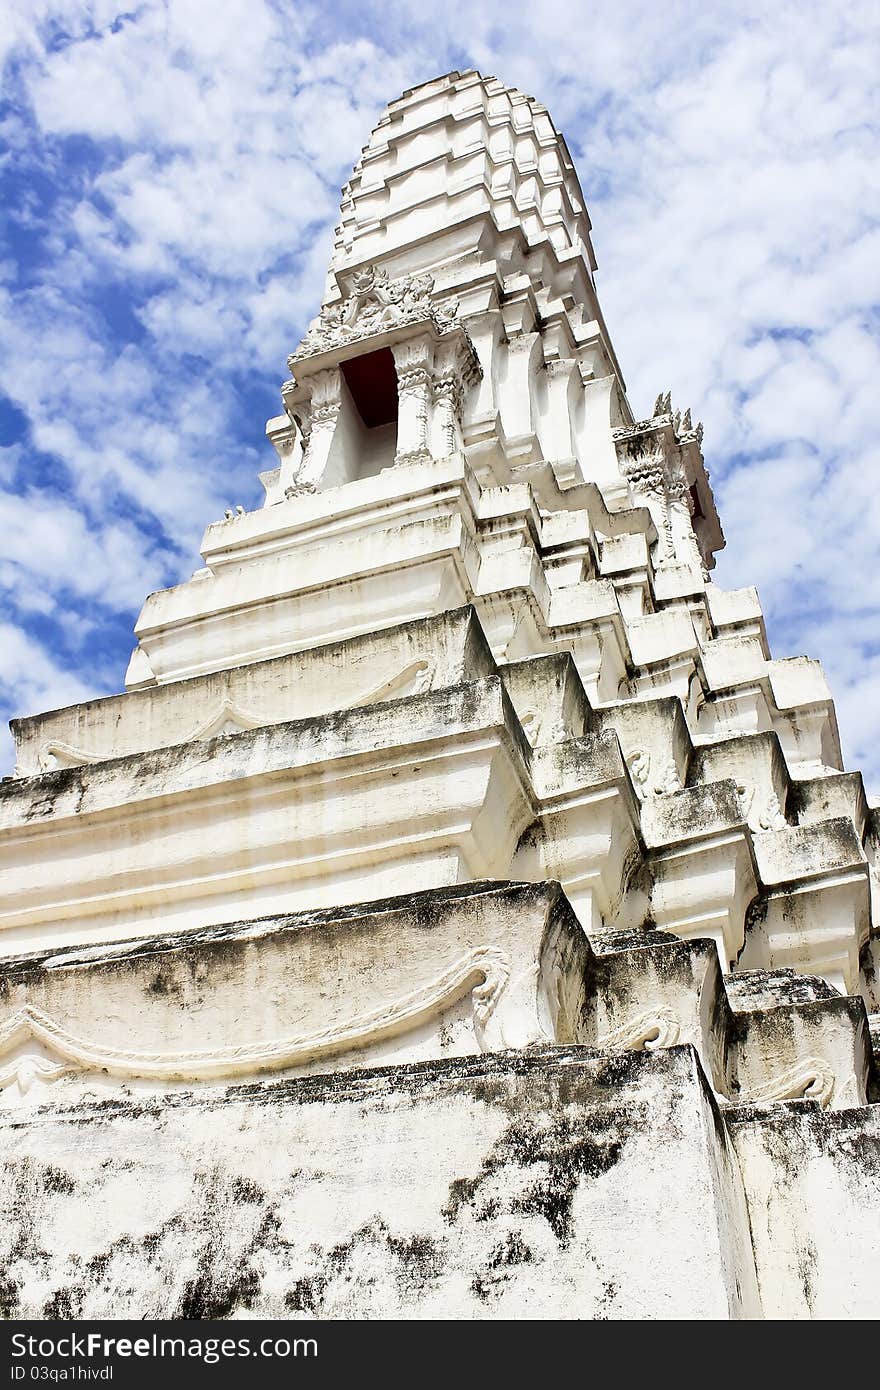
372, 383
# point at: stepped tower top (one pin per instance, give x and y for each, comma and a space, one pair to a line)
460, 315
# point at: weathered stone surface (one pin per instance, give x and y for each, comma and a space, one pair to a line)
451, 761
811, 1181
541, 1185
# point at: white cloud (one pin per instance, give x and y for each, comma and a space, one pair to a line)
30, 680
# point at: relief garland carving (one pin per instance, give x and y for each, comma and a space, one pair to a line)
228, 718
810, 1079
651, 1030
484, 971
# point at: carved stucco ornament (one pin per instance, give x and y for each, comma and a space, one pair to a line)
649, 1031
810, 1079
483, 971
664, 782
374, 304
760, 817
651, 455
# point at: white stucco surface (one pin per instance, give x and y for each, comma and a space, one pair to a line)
461, 914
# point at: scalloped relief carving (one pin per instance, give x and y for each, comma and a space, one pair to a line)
229, 718
483, 971
810, 1079
55, 754
651, 1030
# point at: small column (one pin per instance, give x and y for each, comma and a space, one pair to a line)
317, 420
646, 476
446, 395
285, 437
452, 371
684, 540
413, 361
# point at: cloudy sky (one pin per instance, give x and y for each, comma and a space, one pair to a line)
170, 178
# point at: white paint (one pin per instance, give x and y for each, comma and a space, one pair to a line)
479, 642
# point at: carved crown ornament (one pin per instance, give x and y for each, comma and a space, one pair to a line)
675, 429
374, 304
683, 427
662, 458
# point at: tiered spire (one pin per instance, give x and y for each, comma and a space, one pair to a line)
454, 748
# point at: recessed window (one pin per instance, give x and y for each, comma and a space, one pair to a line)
372, 383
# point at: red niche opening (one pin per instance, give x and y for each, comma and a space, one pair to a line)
372, 381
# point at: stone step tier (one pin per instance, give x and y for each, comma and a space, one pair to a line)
438, 974
412, 758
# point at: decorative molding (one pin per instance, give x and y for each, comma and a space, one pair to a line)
664, 782
23, 1071
810, 1079
375, 303
483, 971
649, 1031
55, 754
228, 718
763, 818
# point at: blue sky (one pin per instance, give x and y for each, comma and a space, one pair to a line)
170, 176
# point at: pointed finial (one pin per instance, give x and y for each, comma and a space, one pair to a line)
686, 421
667, 403
699, 431
658, 406
676, 421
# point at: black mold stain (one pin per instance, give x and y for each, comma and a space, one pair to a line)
418, 1262
9, 1291
56, 1180
307, 1294
244, 1190
561, 1151
207, 1298
64, 1305
509, 1253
